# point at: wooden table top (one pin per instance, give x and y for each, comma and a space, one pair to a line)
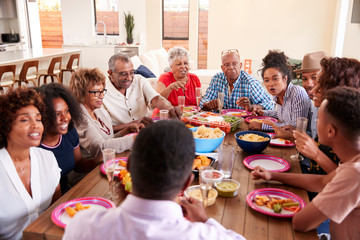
233, 213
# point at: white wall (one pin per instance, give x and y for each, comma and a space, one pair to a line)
352, 37
153, 24
79, 21
256, 26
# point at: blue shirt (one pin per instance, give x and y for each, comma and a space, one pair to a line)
64, 154
244, 86
296, 104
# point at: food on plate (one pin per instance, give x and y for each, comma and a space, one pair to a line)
200, 161
78, 207
189, 126
277, 204
251, 137
256, 120
122, 163
208, 133
126, 179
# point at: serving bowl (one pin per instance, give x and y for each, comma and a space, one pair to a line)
205, 145
195, 192
252, 147
227, 187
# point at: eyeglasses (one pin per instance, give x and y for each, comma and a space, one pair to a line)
126, 74
230, 51
98, 93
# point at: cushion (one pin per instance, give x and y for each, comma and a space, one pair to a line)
162, 58
150, 61
145, 72
136, 61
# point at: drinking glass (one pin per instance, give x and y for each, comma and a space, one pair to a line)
164, 114
221, 97
109, 165
181, 102
198, 97
301, 124
226, 156
206, 182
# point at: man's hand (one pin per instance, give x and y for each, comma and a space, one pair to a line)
261, 173
257, 111
175, 113
212, 105
146, 121
306, 145
193, 209
244, 102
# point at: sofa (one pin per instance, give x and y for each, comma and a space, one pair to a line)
157, 62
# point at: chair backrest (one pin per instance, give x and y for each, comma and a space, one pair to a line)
72, 58
7, 68
26, 66
53, 62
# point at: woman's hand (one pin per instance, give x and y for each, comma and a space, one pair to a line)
279, 131
256, 111
193, 209
261, 173
306, 145
255, 125
177, 85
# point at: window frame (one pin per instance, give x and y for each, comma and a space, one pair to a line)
163, 28
95, 17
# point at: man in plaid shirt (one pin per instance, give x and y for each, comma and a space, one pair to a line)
237, 85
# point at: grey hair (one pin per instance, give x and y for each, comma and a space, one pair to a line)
119, 56
177, 52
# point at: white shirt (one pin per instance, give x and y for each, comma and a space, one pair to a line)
98, 134
138, 218
134, 105
17, 208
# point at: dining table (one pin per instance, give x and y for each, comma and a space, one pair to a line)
233, 213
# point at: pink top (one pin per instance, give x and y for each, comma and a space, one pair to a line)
340, 201
190, 97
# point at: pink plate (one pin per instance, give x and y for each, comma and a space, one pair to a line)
259, 118
190, 108
280, 142
270, 163
236, 112
118, 168
60, 217
273, 192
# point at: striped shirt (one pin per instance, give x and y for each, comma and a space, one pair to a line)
244, 86
296, 104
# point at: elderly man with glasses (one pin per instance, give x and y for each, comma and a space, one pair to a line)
131, 96
237, 85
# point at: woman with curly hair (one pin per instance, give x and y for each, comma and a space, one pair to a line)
29, 176
60, 136
88, 86
291, 101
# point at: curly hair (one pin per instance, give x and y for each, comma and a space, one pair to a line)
55, 90
338, 72
82, 79
11, 103
343, 107
277, 59
177, 52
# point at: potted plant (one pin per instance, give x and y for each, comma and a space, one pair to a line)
129, 26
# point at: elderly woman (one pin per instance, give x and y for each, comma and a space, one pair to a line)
60, 135
291, 101
178, 82
29, 176
88, 86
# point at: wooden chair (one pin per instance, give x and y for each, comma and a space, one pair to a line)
24, 77
9, 81
70, 67
51, 71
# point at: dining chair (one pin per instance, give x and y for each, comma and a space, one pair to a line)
25, 75
51, 71
70, 67
8, 81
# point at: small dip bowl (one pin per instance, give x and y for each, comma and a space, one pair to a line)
195, 192
227, 187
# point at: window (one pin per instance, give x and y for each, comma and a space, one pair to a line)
106, 14
176, 19
203, 33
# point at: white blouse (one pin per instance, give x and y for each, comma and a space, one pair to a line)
17, 208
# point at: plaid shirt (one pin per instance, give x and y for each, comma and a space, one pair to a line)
296, 104
244, 86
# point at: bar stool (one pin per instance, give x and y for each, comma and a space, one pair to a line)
9, 81
24, 77
70, 67
51, 71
